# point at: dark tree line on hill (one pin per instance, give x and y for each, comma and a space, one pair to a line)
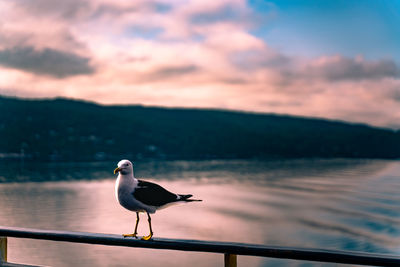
69, 130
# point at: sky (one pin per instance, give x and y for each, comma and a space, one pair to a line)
336, 59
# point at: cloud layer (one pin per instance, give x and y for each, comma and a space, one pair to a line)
45, 62
183, 53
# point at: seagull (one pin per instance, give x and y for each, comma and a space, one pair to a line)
142, 196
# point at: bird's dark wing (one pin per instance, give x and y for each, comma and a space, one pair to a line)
152, 194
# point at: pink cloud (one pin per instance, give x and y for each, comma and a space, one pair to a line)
188, 63
337, 68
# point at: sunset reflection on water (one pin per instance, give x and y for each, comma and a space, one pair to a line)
336, 204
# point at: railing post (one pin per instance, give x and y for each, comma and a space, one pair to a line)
230, 260
3, 249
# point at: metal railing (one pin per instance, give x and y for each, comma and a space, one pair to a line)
230, 250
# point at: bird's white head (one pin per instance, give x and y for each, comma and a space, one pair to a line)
124, 167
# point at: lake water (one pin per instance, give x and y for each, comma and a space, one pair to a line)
351, 205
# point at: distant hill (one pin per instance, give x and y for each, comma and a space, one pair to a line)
69, 130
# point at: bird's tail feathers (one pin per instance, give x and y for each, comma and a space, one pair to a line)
186, 198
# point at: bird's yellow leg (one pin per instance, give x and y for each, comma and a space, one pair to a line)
136, 226
148, 237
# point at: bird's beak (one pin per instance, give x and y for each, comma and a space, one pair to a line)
117, 170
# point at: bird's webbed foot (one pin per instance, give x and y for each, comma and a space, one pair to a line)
147, 237
130, 235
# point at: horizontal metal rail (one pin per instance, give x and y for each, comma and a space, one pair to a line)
320, 255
